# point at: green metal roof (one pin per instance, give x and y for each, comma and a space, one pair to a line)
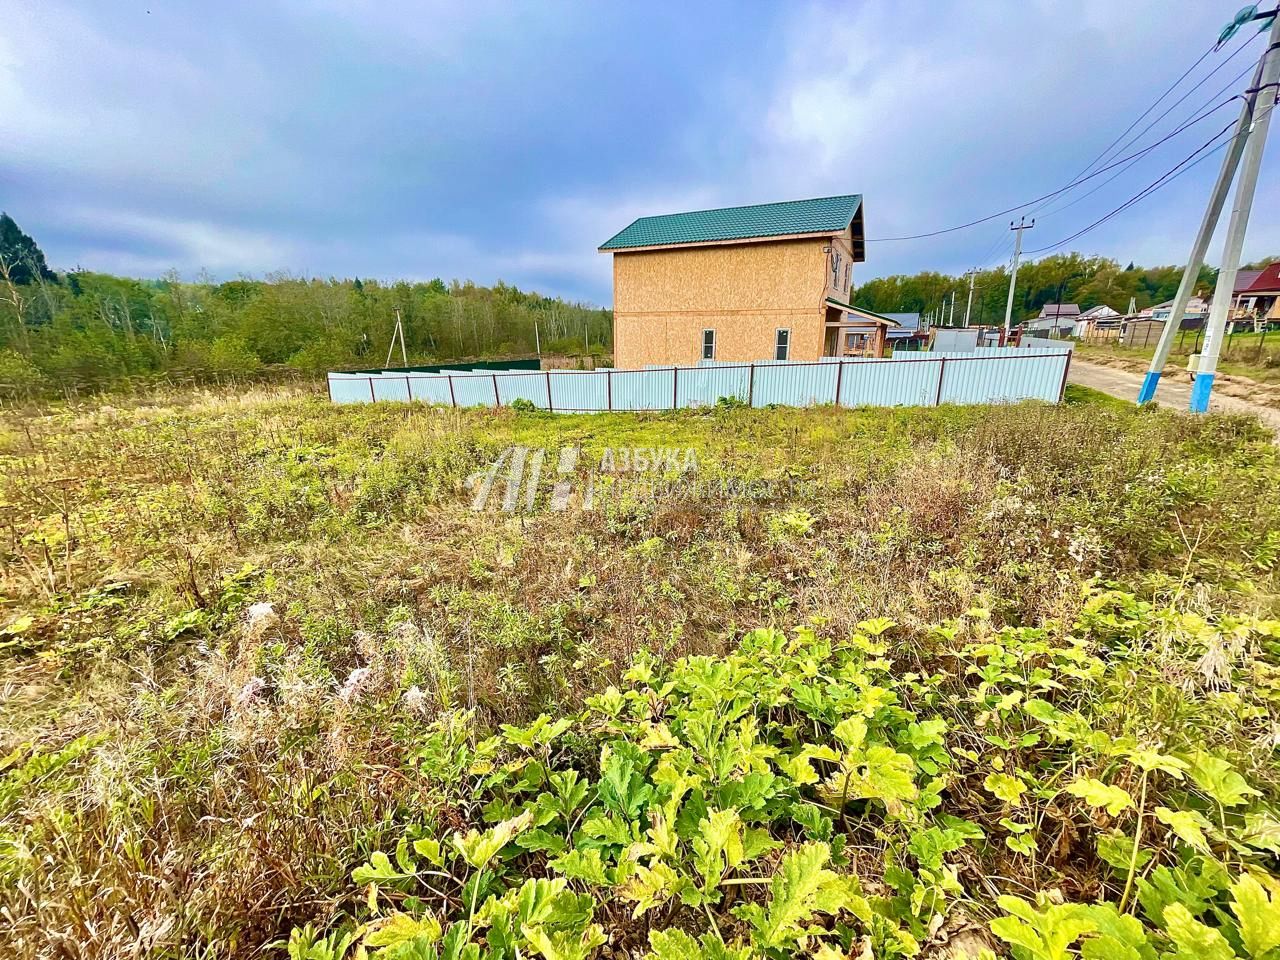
823, 215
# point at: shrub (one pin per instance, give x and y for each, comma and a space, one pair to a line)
19, 377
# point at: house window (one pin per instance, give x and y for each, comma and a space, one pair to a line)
848, 275
782, 345
835, 269
708, 344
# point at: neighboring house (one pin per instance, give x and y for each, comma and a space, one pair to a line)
1244, 280
1100, 312
1193, 317
1259, 298
1056, 319
1095, 318
763, 282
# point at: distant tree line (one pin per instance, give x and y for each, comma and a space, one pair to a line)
87, 330
1061, 278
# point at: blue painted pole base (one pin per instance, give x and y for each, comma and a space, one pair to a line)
1200, 391
1149, 384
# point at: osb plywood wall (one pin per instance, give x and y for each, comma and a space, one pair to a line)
837, 287
643, 339
664, 299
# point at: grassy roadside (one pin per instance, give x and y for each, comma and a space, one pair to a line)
1245, 355
252, 643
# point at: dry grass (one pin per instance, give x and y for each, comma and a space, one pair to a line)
182, 778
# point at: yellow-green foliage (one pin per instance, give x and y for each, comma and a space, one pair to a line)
807, 794
268, 679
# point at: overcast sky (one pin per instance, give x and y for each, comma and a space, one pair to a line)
492, 141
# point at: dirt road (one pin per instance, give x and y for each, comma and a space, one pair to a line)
1174, 392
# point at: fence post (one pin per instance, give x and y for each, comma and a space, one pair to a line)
497, 400
1062, 387
751, 385
608, 389
550, 406
839, 377
942, 369
373, 397
328, 383
675, 387
408, 389
453, 400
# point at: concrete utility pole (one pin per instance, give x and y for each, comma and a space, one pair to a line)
1237, 226
968, 307
1258, 104
1013, 276
952, 319
397, 332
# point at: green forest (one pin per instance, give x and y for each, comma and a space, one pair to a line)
82, 330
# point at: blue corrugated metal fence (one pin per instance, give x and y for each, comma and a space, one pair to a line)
987, 375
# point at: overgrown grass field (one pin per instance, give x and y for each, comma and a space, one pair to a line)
865, 683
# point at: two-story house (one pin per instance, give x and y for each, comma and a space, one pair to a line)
764, 282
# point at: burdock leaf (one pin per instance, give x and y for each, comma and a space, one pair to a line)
1004, 787
1187, 825
802, 887
1258, 913
479, 848
1219, 780
1098, 794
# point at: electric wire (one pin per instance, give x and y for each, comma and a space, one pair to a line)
1085, 175
1240, 47
1000, 213
1187, 163
1119, 173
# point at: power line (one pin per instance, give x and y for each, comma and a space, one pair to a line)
1084, 175
1119, 173
1164, 180
1002, 255
1002, 240
1061, 190
1203, 80
1200, 83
